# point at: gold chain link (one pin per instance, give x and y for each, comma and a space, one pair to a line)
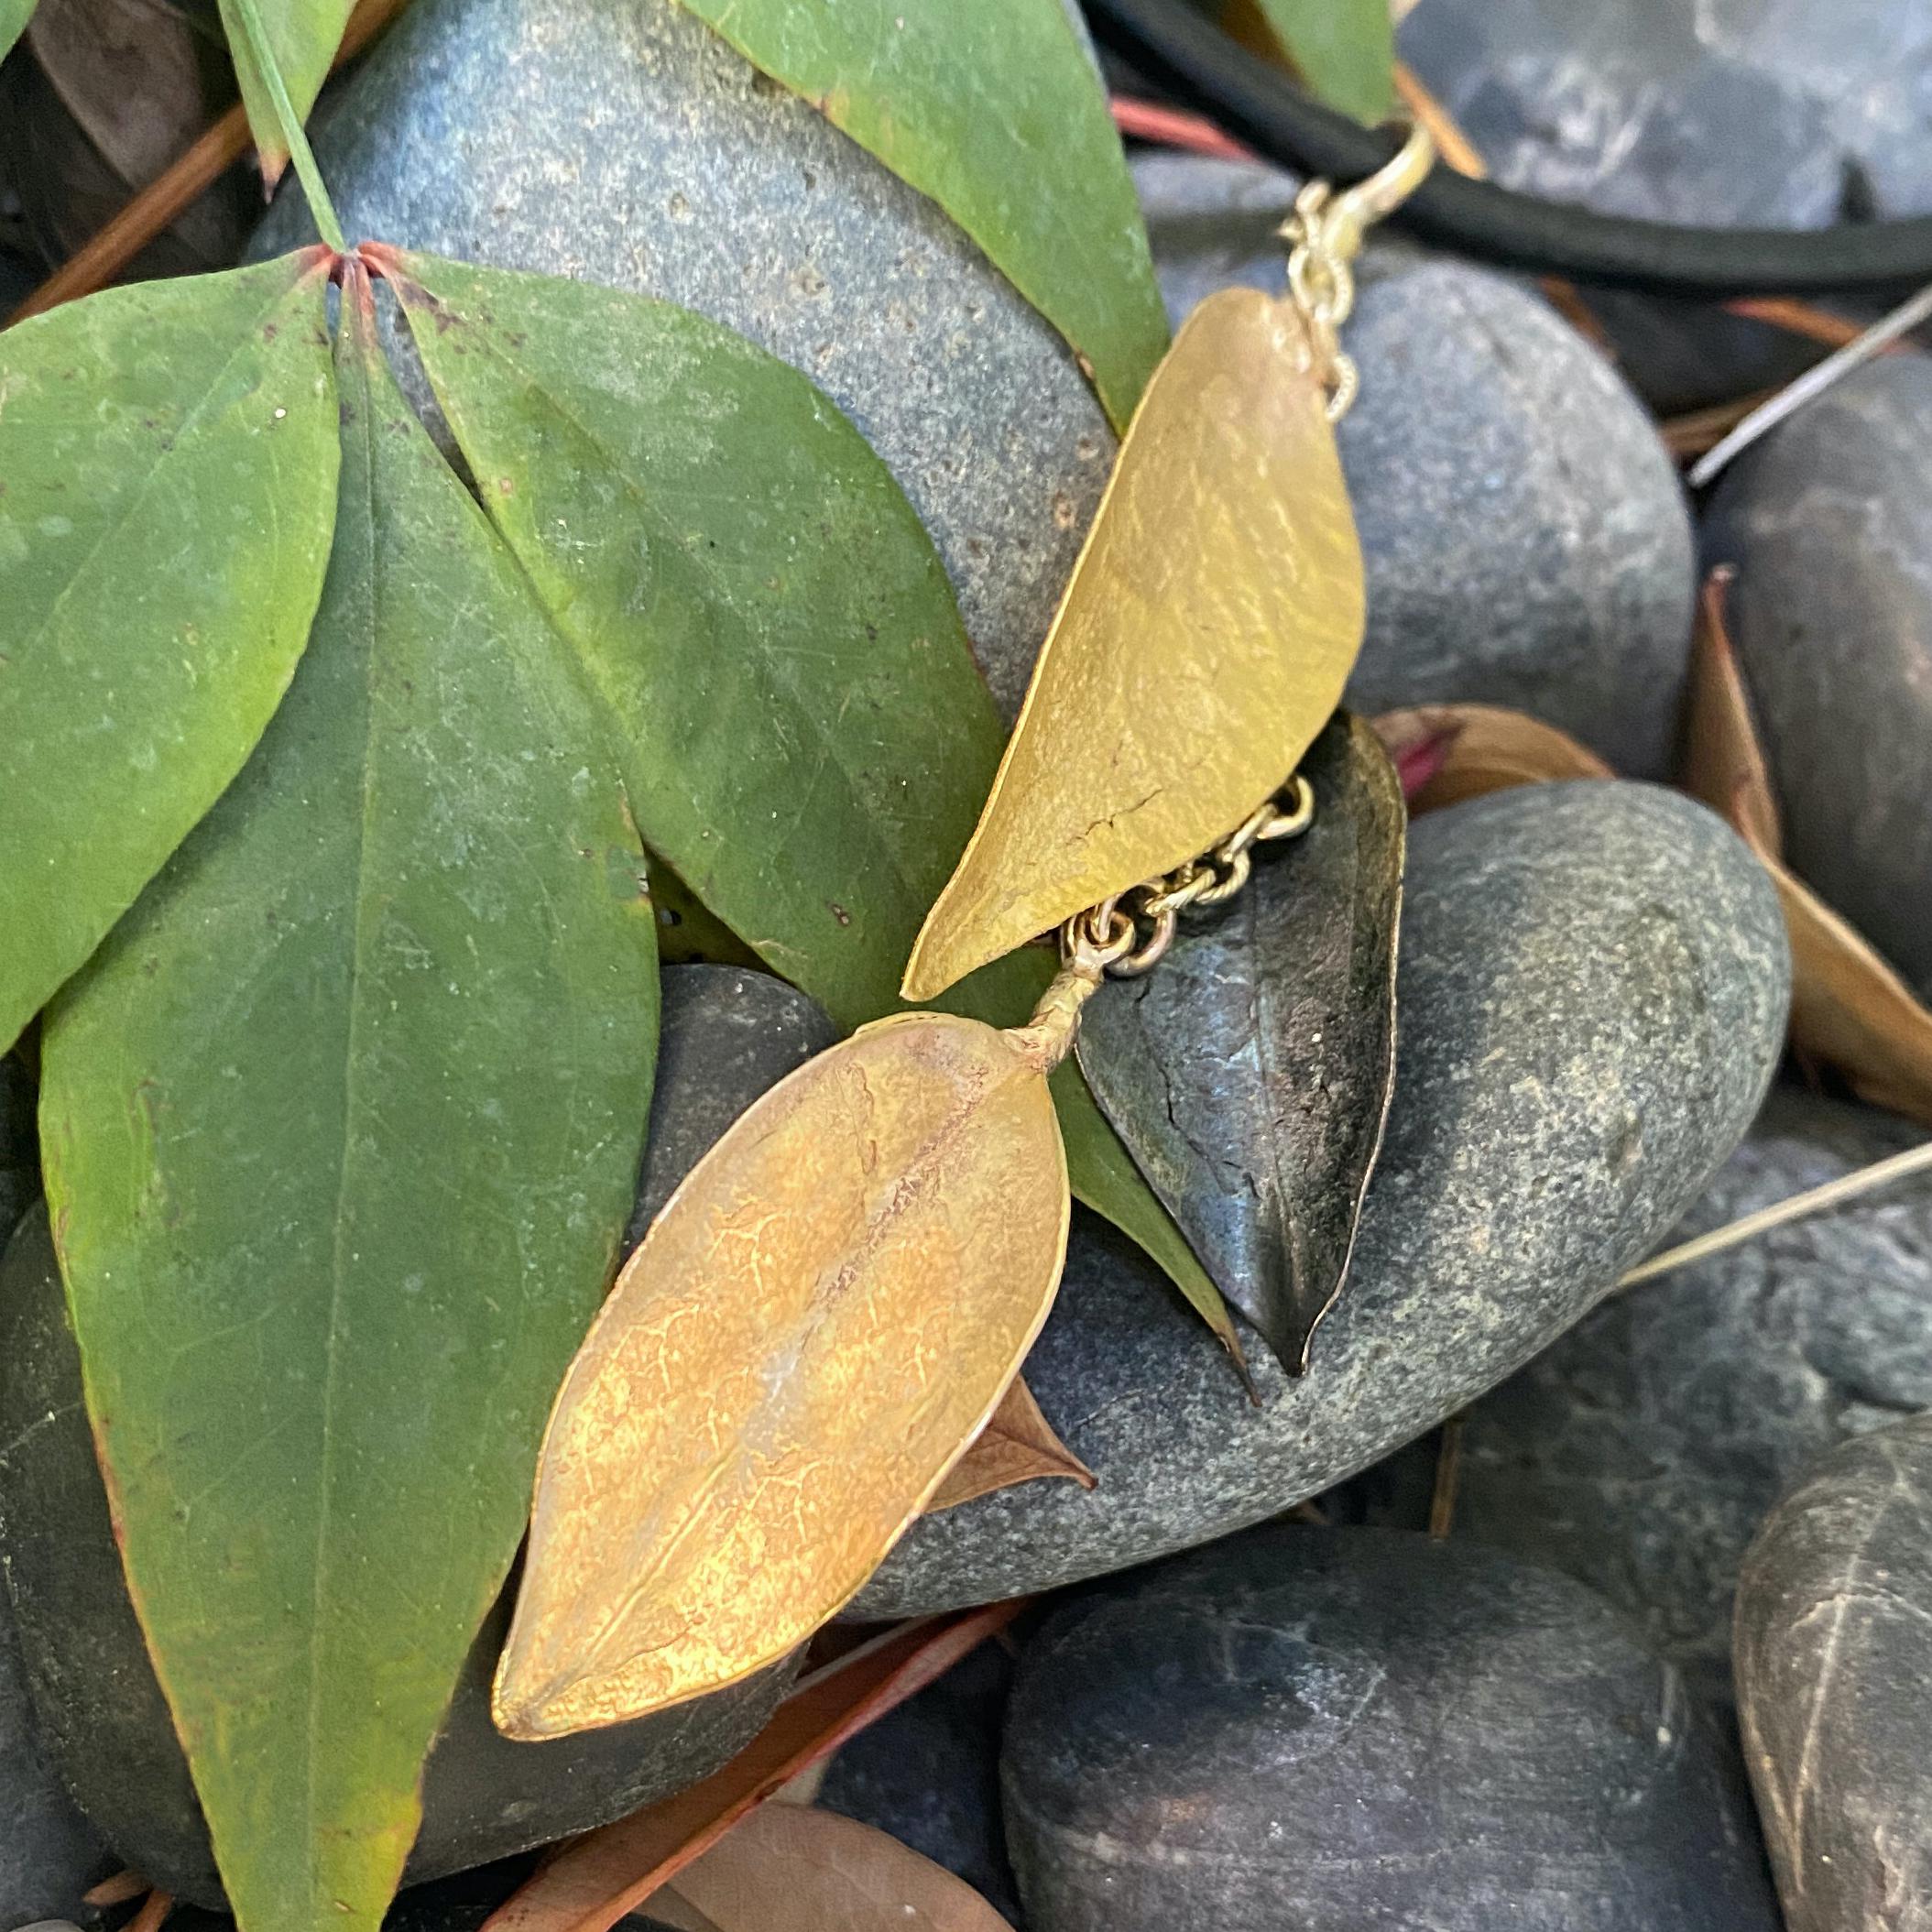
1324, 235
1109, 937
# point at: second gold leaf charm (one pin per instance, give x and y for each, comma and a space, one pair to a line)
1204, 640
817, 1325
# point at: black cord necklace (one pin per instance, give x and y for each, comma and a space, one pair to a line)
1186, 53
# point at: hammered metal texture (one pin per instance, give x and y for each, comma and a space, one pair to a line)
1250, 1073
1205, 638
819, 1321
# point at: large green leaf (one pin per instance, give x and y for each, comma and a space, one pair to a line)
994, 109
1345, 50
168, 457
807, 741
14, 17
341, 1125
303, 36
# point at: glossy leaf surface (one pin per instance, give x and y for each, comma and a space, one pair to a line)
341, 1125
303, 36
996, 112
792, 1868
818, 1322
805, 737
1205, 638
1250, 1073
1019, 1445
168, 463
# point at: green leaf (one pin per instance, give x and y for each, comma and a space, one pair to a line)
805, 737
994, 109
14, 17
167, 459
303, 37
1344, 49
341, 1125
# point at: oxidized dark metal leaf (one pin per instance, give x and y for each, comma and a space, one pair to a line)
1250, 1072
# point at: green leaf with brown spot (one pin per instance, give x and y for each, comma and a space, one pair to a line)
341, 1127
303, 37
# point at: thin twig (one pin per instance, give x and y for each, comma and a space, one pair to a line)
105, 256
117, 1890
1813, 1200
1170, 127
1697, 431
1455, 146
1813, 383
1448, 1474
155, 1908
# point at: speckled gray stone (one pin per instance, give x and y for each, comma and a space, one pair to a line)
49, 1855
102, 1715
1834, 1655
1302, 1730
1829, 523
1525, 534
1739, 112
928, 1774
629, 145
727, 1035
1642, 1451
1593, 997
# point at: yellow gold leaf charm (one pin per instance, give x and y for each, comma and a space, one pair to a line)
821, 1320
1203, 641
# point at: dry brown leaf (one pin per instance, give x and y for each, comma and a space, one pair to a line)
1481, 748
1723, 761
1018, 1446
599, 1878
786, 1869
821, 1318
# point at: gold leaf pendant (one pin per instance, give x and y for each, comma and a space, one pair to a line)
821, 1320
1203, 641
831, 1308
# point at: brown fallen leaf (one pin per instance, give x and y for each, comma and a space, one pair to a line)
1018, 1446
822, 1317
787, 1868
1478, 748
1723, 762
601, 1877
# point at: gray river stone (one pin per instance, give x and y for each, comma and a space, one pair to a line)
629, 145
1302, 1729
1591, 1000
1834, 1655
1641, 1452
1523, 531
106, 1726
1830, 524
728, 1034
928, 1774
49, 1855
1741, 112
